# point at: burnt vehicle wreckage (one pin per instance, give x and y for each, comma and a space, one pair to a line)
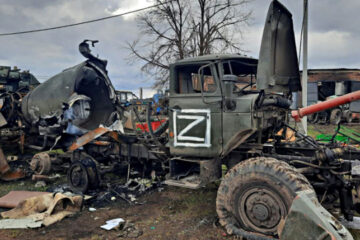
212, 116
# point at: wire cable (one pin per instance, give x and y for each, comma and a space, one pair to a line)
82, 23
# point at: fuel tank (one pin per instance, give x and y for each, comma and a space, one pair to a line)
82, 95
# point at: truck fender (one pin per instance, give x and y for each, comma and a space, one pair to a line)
239, 138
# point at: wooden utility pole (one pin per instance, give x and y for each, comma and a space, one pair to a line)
305, 62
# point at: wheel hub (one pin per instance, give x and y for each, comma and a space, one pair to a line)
261, 209
76, 177
260, 212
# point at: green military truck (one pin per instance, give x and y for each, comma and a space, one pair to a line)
233, 111
221, 110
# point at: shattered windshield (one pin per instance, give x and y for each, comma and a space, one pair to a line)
245, 72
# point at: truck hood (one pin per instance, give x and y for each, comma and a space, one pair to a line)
278, 68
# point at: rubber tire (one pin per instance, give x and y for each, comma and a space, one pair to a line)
348, 116
274, 174
335, 116
85, 178
313, 118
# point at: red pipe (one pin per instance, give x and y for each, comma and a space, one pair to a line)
301, 112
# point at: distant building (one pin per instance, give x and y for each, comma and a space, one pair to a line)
323, 83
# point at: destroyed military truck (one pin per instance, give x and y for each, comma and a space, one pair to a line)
220, 110
216, 117
56, 112
235, 111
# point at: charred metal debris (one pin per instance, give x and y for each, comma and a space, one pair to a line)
220, 110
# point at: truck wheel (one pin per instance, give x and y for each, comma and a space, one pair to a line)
335, 116
313, 118
348, 116
255, 195
78, 177
83, 175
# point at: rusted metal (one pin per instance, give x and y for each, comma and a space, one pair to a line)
4, 166
38, 177
6, 173
114, 135
41, 163
102, 143
13, 175
88, 137
13, 198
347, 98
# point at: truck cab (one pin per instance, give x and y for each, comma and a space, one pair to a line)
215, 108
201, 105
220, 103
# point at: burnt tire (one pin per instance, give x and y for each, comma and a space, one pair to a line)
335, 116
78, 178
255, 195
83, 175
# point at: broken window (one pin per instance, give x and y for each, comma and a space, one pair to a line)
245, 72
191, 80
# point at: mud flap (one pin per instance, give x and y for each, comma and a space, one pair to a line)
307, 219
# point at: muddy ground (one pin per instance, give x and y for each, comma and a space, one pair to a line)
172, 213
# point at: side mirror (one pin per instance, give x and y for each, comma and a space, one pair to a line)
229, 81
199, 80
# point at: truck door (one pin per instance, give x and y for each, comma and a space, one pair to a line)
195, 116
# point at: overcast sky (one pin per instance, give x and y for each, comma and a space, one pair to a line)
334, 38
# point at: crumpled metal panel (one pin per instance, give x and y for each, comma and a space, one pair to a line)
307, 219
278, 68
50, 99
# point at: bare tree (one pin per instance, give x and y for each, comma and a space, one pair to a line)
183, 28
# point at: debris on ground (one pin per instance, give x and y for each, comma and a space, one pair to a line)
129, 230
91, 209
113, 223
135, 188
60, 188
40, 184
48, 208
126, 229
22, 223
45, 178
13, 198
6, 173
128, 192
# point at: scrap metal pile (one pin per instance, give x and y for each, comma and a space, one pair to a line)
212, 115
